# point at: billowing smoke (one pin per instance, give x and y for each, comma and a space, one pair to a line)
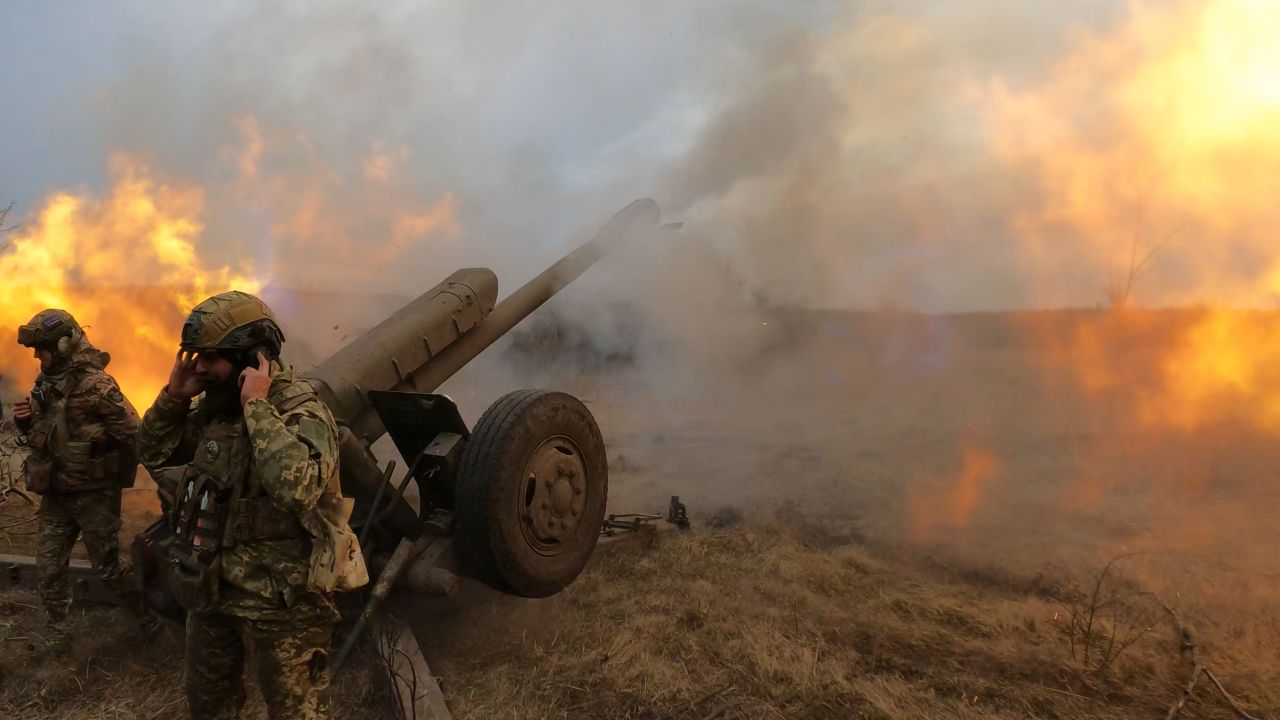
849, 128
853, 154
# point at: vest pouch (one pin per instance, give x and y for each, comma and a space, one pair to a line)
77, 470
192, 578
38, 473
193, 569
38, 439
199, 516
77, 454
337, 563
105, 468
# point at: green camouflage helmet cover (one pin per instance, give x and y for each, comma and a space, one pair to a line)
231, 320
47, 327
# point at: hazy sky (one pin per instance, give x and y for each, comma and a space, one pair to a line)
828, 153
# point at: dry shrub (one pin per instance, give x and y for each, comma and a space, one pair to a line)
1103, 618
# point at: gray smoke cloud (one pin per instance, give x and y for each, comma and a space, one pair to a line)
824, 150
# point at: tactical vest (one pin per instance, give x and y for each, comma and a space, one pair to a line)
217, 505
57, 463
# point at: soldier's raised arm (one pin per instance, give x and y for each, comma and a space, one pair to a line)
165, 437
295, 453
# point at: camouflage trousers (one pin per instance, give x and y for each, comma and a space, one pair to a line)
63, 518
290, 663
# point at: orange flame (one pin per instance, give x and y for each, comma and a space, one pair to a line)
1170, 370
1225, 366
1168, 131
953, 505
1164, 137
338, 227
131, 264
127, 266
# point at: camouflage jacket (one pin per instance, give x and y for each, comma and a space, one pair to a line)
83, 432
290, 455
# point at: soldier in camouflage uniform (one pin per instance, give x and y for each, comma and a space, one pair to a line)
80, 432
244, 453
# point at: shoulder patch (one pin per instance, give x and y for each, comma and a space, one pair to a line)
316, 431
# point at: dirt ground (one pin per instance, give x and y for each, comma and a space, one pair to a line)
896, 517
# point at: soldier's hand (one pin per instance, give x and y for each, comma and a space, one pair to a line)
255, 381
183, 382
22, 409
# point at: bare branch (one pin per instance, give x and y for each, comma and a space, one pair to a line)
1120, 294
4, 219
1176, 708
1226, 695
5, 227
1188, 644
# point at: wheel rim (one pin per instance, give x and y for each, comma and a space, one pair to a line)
553, 496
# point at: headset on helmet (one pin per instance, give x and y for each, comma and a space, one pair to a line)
52, 328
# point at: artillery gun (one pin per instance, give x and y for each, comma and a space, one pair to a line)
518, 500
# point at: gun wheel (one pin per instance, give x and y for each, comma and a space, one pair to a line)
532, 487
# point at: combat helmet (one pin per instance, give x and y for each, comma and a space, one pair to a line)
232, 321
54, 329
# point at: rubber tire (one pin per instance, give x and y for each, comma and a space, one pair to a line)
491, 477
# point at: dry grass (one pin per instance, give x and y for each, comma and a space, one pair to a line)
782, 620
767, 621
111, 675
764, 622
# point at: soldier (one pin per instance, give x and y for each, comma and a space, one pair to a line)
80, 431
245, 455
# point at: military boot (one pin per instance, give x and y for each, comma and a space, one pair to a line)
55, 641
147, 623
148, 627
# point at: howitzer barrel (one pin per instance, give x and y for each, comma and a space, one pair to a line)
431, 338
399, 347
